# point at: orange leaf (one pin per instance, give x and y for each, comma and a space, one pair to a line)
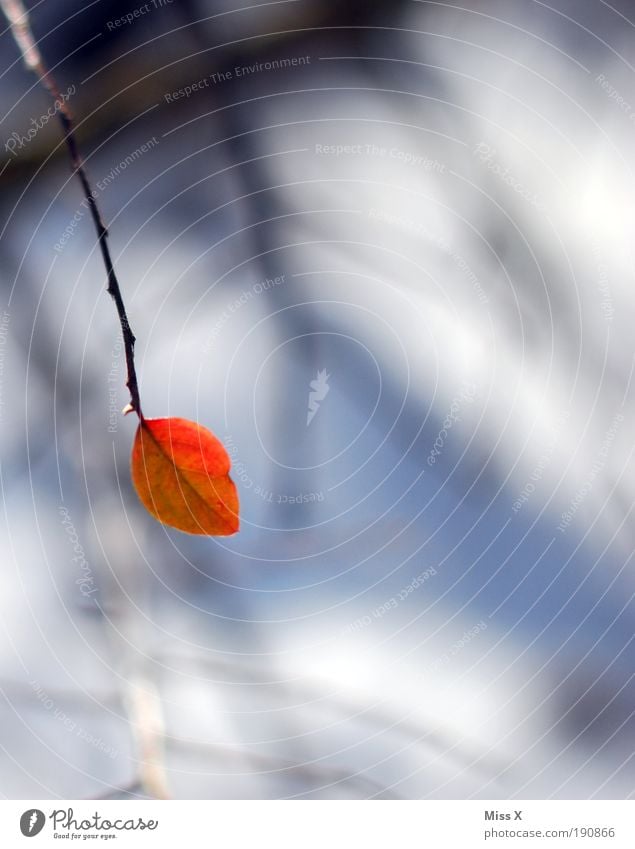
181, 473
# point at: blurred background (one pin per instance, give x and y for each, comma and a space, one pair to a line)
383, 251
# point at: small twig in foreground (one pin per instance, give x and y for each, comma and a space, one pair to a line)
18, 20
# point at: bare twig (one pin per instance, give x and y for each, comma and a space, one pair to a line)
147, 720
19, 23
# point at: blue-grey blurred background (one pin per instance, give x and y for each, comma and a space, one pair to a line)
384, 251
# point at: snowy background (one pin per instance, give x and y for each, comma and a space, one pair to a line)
431, 595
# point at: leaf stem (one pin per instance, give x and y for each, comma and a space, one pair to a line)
19, 23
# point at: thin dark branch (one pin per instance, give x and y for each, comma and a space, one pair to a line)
18, 21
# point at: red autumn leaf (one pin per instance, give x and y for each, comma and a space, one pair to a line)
181, 473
